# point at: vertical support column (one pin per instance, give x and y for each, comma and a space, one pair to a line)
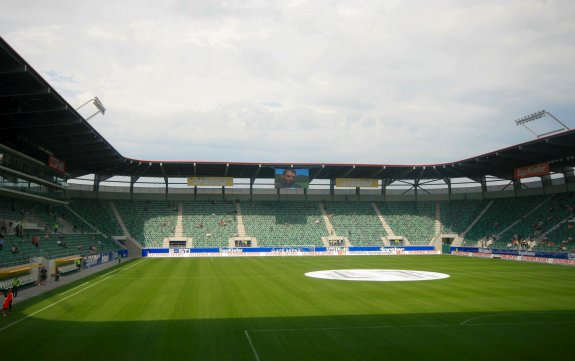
96, 187
569, 176
133, 180
516, 186
483, 182
166, 182
384, 183
448, 183
383, 189
332, 188
546, 182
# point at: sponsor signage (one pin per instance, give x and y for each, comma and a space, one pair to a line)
534, 259
211, 181
57, 164
356, 182
535, 170
516, 255
285, 251
97, 259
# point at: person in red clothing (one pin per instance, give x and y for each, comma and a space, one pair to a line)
36, 240
7, 303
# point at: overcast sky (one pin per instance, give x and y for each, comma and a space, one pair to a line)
383, 82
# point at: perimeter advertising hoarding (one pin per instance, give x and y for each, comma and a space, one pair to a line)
535, 170
211, 181
356, 182
285, 251
293, 178
516, 255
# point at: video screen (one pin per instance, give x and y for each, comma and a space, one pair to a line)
293, 178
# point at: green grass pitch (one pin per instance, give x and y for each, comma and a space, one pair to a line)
265, 309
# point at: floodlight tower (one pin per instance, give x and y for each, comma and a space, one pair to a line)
538, 115
98, 104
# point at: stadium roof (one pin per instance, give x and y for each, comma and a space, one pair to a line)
37, 121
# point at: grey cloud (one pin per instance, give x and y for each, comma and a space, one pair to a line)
366, 82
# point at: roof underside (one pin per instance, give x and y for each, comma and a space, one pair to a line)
37, 121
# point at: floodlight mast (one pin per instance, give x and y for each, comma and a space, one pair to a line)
98, 104
538, 115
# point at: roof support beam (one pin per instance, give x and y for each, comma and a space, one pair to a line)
23, 91
14, 70
378, 172
348, 172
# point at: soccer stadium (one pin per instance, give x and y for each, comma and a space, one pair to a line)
118, 258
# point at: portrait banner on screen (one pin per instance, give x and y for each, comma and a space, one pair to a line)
535, 170
356, 182
211, 181
291, 178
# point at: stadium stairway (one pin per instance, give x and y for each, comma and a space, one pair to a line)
120, 220
179, 231
437, 223
134, 247
384, 223
553, 228
240, 220
437, 226
83, 220
459, 240
534, 209
327, 221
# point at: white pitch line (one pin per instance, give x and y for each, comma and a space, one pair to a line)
112, 273
505, 314
65, 298
252, 345
411, 326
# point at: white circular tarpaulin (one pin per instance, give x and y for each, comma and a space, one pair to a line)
377, 275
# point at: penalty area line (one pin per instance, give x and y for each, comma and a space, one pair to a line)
67, 297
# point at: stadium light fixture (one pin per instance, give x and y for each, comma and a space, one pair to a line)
98, 104
538, 115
